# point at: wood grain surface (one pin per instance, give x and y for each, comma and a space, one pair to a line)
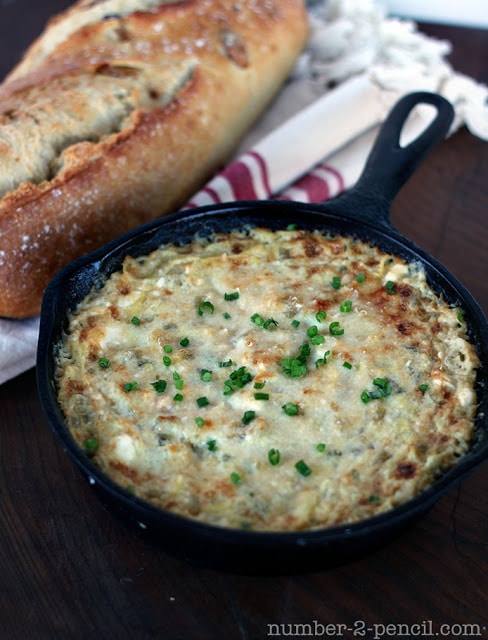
69, 569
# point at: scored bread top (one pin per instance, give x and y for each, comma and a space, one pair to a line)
118, 113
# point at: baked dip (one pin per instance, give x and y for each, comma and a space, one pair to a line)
271, 380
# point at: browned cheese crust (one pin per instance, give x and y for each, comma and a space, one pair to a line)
119, 113
277, 380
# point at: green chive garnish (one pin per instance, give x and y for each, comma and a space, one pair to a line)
135, 321
248, 417
295, 324
205, 375
235, 478
335, 329
212, 445
159, 386
166, 361
199, 421
347, 364
423, 388
320, 316
184, 342
261, 322
103, 363
178, 397
237, 379
231, 296
390, 287
91, 445
130, 386
346, 306
261, 396
320, 447
168, 348
303, 468
336, 282
290, 408
203, 401
205, 307
360, 277
274, 456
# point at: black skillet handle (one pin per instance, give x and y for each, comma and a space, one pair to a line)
389, 165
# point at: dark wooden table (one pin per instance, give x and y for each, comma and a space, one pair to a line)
70, 570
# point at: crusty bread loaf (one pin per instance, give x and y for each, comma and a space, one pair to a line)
118, 113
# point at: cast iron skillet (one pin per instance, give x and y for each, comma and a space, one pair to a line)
362, 212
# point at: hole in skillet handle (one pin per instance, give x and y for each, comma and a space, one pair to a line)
390, 165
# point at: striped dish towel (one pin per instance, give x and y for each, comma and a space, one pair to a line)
312, 157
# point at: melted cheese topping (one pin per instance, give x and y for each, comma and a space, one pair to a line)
272, 380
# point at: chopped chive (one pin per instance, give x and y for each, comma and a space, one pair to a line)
205, 375
390, 287
235, 478
91, 445
347, 364
184, 342
205, 307
168, 348
203, 401
179, 383
365, 397
382, 390
159, 386
461, 315
103, 363
274, 456
374, 499
318, 339
423, 388
360, 277
296, 367
257, 319
260, 385
335, 329
200, 422
226, 363
178, 397
336, 282
231, 296
290, 408
320, 316
212, 445
135, 321
321, 361
292, 226
166, 361
248, 417
320, 447
261, 396
303, 469
130, 386
226, 315
295, 324
346, 306
236, 380
312, 331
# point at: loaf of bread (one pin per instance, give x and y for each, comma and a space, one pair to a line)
118, 113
